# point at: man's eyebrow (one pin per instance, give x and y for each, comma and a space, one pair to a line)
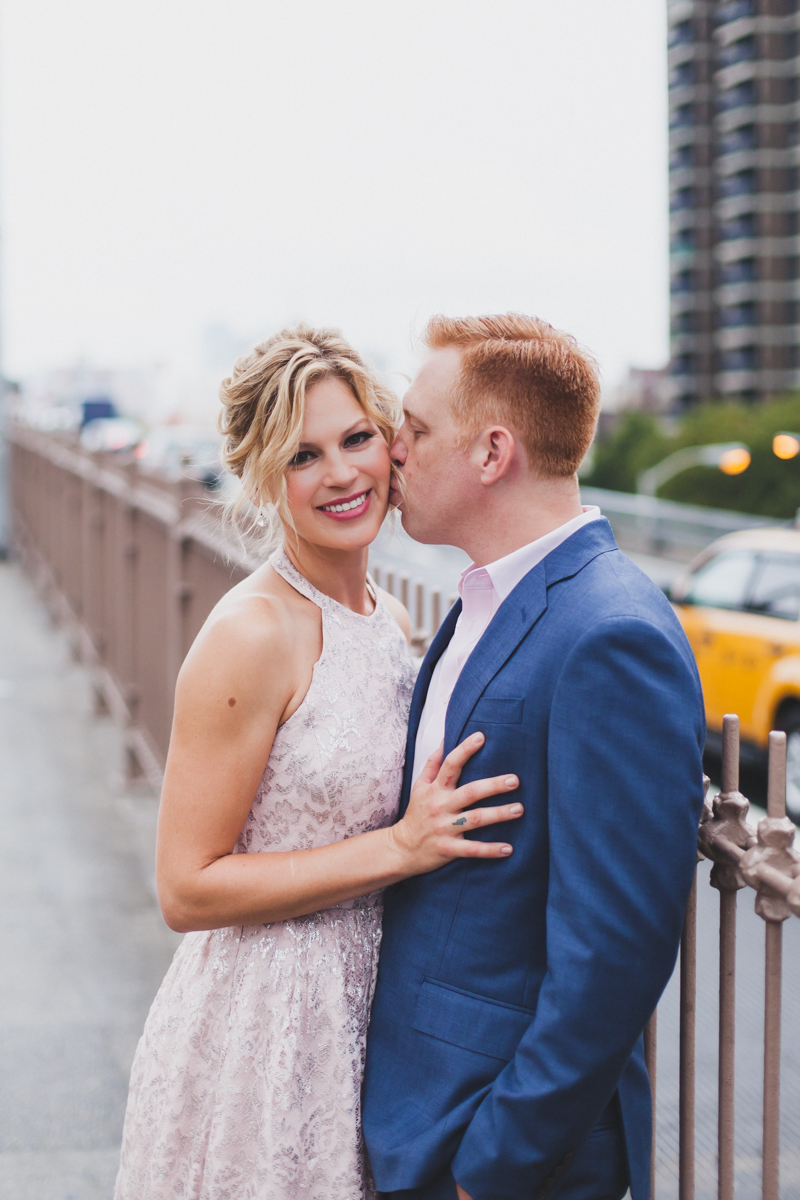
410, 415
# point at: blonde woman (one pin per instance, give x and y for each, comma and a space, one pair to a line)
276, 831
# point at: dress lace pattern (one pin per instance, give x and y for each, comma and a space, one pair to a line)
247, 1080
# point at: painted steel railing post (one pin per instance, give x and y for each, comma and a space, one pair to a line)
776, 812
686, 1087
731, 809
650, 1060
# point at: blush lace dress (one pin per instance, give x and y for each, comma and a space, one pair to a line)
247, 1080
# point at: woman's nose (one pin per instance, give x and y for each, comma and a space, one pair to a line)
340, 473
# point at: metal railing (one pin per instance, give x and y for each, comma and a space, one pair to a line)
763, 859
132, 566
664, 527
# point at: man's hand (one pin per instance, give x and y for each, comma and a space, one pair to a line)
462, 1195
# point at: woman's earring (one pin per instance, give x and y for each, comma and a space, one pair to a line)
261, 520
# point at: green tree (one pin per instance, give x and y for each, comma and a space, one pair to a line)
769, 487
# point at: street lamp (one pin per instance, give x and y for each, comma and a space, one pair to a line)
731, 457
786, 445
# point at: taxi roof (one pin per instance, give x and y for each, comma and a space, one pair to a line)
771, 537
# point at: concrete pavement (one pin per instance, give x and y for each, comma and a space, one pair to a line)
82, 942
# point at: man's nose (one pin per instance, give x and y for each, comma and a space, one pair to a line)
398, 453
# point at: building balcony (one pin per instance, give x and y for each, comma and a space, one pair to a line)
688, 135
756, 247
732, 207
698, 177
730, 162
750, 70
685, 302
688, 52
745, 26
684, 10
752, 380
756, 114
757, 335
758, 291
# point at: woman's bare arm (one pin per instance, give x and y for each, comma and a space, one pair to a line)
233, 690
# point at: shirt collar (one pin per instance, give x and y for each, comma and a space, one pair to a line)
507, 572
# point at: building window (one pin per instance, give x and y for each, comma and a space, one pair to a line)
682, 75
683, 198
743, 138
745, 48
737, 315
743, 183
735, 9
682, 115
738, 272
681, 33
682, 282
682, 242
682, 364
744, 94
684, 323
740, 227
684, 157
743, 359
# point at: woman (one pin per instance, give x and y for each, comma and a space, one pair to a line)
275, 834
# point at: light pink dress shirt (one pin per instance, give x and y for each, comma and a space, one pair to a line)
482, 591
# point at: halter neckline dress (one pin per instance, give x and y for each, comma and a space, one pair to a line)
247, 1080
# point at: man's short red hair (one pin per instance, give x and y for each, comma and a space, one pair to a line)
519, 371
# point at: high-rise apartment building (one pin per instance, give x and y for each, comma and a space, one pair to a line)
734, 111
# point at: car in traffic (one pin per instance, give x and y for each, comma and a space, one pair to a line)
739, 605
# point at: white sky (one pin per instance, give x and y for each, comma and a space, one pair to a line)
167, 166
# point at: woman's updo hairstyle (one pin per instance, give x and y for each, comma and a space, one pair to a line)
263, 405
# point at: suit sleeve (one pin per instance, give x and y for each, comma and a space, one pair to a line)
624, 801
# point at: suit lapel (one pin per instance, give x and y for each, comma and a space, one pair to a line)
435, 652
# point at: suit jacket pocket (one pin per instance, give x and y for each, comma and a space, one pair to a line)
498, 710
469, 1021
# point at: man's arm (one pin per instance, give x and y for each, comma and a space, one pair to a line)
625, 795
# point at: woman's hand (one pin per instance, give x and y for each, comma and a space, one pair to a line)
432, 831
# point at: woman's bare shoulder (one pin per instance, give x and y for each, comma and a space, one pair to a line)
252, 631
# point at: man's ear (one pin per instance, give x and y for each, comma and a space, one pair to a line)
497, 449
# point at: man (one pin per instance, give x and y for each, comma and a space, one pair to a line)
505, 1055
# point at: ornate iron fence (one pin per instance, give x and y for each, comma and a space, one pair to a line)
132, 565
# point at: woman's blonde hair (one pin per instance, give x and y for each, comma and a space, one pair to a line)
263, 406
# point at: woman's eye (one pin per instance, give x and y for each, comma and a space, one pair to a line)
358, 439
301, 458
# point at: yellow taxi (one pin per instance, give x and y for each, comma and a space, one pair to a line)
739, 604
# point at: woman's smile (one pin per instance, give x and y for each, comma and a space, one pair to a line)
347, 507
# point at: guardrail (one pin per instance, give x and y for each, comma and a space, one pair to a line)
665, 528
132, 565
763, 859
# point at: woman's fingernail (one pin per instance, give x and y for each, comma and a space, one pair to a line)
506, 849
511, 781
478, 737
515, 810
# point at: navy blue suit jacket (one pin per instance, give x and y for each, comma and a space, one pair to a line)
512, 993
